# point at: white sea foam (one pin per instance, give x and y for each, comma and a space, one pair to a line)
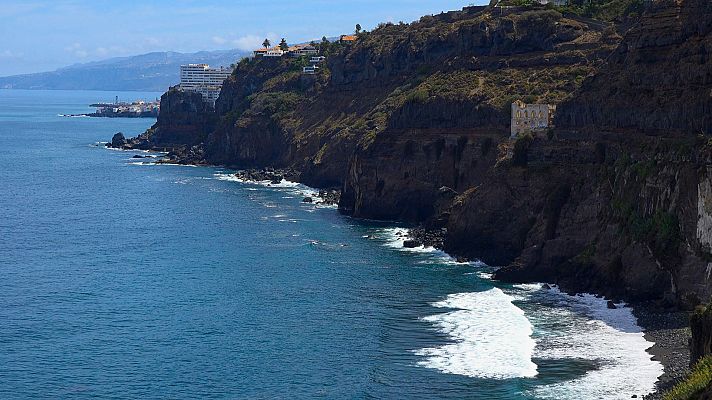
491, 337
294, 189
396, 237
153, 163
591, 331
133, 150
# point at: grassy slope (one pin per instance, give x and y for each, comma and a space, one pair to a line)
322, 112
695, 384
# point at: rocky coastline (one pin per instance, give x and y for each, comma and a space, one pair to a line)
613, 202
667, 327
664, 325
324, 196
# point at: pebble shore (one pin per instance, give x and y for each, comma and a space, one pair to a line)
669, 329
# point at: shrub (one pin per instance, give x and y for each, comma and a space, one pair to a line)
644, 168
692, 386
521, 150
418, 96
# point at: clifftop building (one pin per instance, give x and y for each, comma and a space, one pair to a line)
531, 117
200, 78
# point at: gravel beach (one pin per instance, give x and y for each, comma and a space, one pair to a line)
670, 330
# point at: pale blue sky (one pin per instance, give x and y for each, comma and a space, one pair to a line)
42, 35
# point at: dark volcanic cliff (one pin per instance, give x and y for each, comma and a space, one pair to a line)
659, 78
412, 123
184, 120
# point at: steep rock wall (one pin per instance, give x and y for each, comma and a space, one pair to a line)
185, 119
704, 210
614, 215
659, 78
414, 174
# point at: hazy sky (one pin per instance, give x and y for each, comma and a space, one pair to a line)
42, 35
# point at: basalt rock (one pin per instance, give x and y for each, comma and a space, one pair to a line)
118, 140
701, 326
658, 79
184, 120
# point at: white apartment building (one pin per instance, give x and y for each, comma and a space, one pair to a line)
200, 78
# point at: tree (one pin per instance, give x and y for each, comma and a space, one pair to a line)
283, 45
324, 46
358, 28
266, 44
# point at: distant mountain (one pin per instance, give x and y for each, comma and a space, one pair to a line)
147, 72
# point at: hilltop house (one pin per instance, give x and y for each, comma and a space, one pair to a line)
303, 50
531, 117
294, 51
554, 2
274, 52
348, 39
317, 59
271, 52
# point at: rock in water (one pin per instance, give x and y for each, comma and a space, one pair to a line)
308, 200
611, 305
118, 140
410, 244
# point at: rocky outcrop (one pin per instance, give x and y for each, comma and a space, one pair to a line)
118, 140
704, 210
612, 214
400, 175
701, 327
185, 120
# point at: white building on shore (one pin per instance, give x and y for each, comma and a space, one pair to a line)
200, 78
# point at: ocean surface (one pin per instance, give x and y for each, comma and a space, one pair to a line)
122, 279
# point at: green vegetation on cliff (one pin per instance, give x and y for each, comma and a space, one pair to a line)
695, 384
605, 10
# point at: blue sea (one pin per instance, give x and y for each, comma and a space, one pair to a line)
123, 279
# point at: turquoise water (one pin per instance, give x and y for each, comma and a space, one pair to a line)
122, 279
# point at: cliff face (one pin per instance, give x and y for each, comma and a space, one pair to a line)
185, 119
659, 78
412, 122
413, 175
622, 216
604, 207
